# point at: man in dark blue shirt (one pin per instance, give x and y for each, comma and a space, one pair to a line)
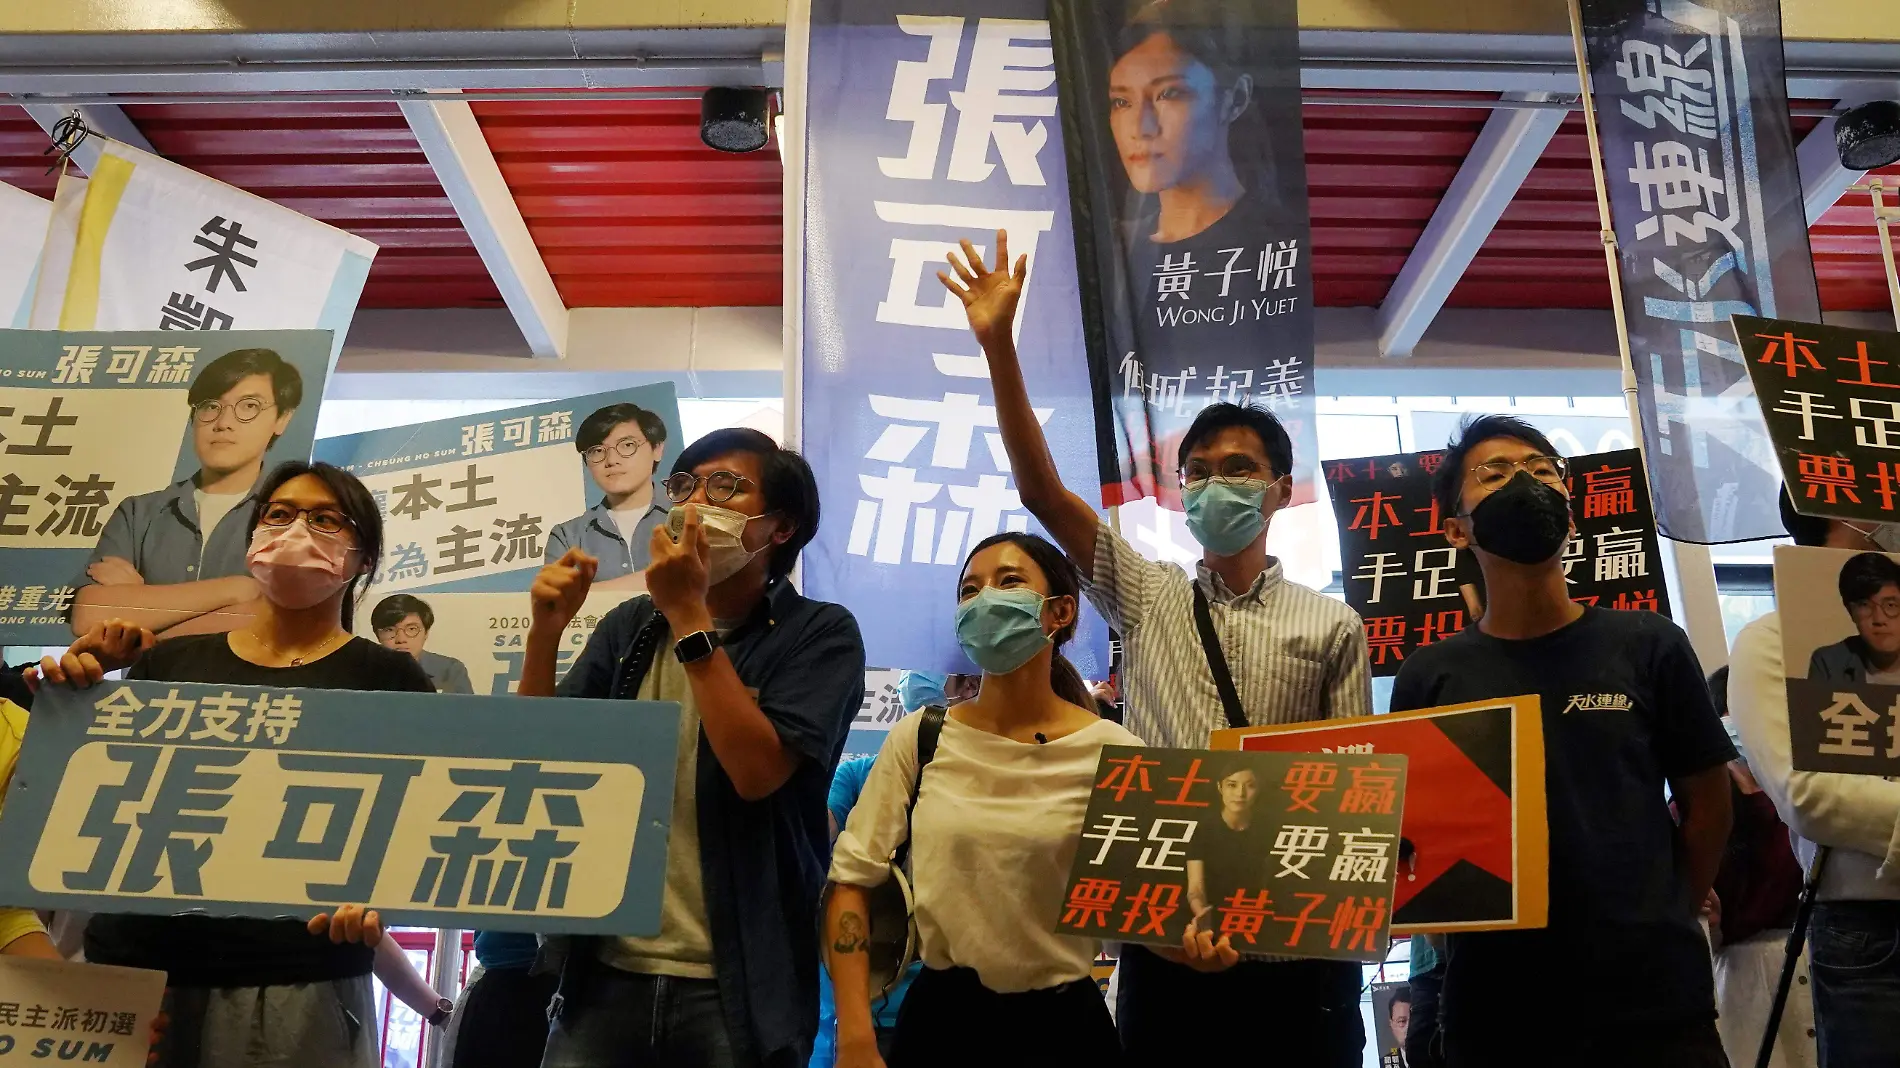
1625, 711
767, 682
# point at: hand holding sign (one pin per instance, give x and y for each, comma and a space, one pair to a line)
351, 923
110, 646
561, 588
989, 296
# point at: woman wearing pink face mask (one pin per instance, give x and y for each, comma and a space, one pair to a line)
250, 991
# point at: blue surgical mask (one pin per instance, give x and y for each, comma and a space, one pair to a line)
920, 688
1225, 517
1000, 630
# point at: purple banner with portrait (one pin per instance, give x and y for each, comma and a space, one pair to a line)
928, 123
1188, 183
1698, 156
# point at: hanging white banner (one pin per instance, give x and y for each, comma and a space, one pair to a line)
23, 219
56, 252
163, 247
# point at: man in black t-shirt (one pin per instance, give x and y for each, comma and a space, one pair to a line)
1625, 711
1230, 849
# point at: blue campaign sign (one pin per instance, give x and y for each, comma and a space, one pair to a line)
476, 504
437, 810
928, 123
102, 456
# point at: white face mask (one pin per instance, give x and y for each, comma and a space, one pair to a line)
725, 537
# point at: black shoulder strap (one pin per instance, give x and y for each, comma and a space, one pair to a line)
1217, 660
928, 728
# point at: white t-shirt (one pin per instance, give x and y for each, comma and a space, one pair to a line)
212, 507
996, 825
628, 519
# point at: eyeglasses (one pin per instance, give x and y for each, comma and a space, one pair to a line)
1236, 468
1889, 608
1550, 470
244, 409
626, 447
322, 520
406, 630
720, 486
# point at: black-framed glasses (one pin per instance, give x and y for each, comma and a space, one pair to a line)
624, 448
244, 409
1889, 607
720, 486
1550, 470
1236, 468
278, 515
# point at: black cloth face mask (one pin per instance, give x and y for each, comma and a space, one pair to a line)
1524, 521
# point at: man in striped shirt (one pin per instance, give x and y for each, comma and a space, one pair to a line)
1294, 654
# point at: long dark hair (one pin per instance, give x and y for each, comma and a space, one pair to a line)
353, 499
1064, 581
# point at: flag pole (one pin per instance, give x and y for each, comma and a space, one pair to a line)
1698, 609
1873, 189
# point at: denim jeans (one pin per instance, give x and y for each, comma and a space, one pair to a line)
1854, 952
642, 1021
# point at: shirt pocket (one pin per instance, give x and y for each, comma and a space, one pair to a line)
1294, 686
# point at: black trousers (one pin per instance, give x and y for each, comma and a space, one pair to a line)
504, 1020
949, 1018
1297, 1014
1683, 1044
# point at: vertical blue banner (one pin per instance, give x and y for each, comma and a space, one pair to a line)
928, 123
1698, 156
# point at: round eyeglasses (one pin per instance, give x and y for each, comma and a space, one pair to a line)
624, 448
720, 486
1550, 470
244, 409
322, 520
1888, 607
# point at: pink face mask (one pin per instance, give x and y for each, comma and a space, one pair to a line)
296, 567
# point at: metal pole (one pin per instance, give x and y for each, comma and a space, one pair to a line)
1797, 938
1886, 248
445, 974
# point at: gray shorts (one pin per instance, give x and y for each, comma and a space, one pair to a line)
304, 1025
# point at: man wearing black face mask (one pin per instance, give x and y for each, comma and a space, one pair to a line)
1625, 710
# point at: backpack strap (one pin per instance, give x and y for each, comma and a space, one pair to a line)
928, 728
1217, 661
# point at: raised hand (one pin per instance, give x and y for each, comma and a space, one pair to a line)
559, 589
110, 646
989, 294
678, 575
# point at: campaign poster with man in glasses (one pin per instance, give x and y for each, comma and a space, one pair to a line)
129, 463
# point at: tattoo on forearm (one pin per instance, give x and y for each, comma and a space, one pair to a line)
851, 935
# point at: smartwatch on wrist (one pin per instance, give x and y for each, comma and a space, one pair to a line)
444, 1008
696, 646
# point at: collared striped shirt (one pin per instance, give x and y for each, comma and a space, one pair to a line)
1296, 655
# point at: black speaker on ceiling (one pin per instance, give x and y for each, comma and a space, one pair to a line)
1868, 136
733, 120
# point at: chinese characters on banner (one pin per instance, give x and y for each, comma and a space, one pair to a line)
1413, 589
1832, 400
101, 452
927, 126
439, 811
471, 504
1476, 844
1706, 198
1840, 624
1196, 284
162, 247
1293, 854
88, 1013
